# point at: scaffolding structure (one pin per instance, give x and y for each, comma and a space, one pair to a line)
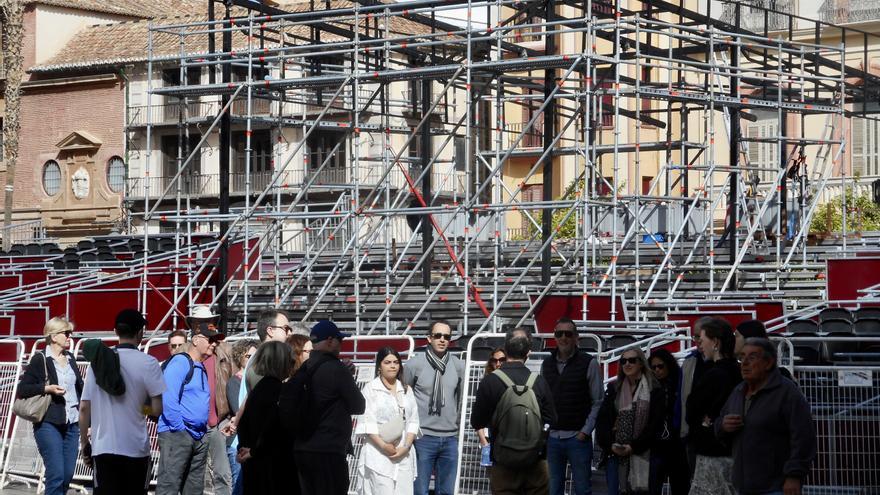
436, 168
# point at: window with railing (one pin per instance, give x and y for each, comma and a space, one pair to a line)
531, 193
190, 178
845, 11
260, 162
320, 146
606, 104
865, 147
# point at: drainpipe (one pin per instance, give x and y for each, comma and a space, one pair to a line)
126, 82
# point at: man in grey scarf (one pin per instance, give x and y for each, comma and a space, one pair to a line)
436, 379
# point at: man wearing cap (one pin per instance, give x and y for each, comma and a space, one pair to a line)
183, 424
320, 457
202, 319
119, 443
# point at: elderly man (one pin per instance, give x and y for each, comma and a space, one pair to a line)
767, 413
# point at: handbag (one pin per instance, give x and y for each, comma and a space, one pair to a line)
34, 408
392, 430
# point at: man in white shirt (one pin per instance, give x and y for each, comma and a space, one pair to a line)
119, 449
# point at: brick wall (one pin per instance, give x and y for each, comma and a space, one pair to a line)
50, 115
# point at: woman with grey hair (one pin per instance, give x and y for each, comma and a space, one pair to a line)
767, 413
263, 447
629, 423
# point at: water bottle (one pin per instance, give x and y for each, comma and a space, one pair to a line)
485, 458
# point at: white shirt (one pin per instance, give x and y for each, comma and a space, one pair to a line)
118, 422
381, 407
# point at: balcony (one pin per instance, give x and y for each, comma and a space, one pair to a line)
206, 185
531, 140
759, 16
197, 111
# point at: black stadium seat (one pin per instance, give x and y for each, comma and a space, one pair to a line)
803, 327
867, 327
828, 314
863, 313
837, 326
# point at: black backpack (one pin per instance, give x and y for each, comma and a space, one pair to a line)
517, 425
189, 374
295, 403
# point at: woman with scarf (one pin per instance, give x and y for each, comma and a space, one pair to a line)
629, 423
714, 464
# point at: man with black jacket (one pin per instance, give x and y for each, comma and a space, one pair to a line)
529, 480
320, 457
576, 384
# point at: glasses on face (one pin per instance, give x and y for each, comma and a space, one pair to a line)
658, 366
175, 346
498, 360
751, 358
286, 328
563, 333
442, 336
66, 333
632, 360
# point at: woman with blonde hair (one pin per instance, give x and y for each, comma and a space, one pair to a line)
54, 372
629, 423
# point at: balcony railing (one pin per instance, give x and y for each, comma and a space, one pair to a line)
842, 12
532, 139
166, 114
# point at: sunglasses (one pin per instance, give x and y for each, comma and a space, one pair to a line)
498, 360
286, 328
563, 333
442, 336
175, 346
657, 366
67, 333
632, 360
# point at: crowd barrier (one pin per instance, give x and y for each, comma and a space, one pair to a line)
845, 402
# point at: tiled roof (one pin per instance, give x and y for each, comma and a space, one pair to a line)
127, 42
144, 9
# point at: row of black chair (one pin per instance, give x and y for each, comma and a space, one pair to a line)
31, 249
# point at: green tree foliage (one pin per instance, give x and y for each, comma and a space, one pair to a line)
862, 215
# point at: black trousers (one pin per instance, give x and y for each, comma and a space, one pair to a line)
322, 474
116, 474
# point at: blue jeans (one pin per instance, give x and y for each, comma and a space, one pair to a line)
564, 451
438, 455
235, 467
612, 474
58, 446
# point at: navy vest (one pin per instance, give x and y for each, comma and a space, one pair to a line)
571, 391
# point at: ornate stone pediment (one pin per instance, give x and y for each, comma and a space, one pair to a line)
79, 140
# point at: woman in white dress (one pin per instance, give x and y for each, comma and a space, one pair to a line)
390, 425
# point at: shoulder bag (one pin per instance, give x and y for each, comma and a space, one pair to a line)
34, 408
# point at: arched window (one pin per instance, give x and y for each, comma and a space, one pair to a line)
116, 174
51, 178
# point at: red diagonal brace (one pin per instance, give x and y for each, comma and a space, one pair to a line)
418, 195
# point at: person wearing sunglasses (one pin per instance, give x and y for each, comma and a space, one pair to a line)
668, 455
576, 384
629, 424
54, 372
498, 358
436, 377
176, 342
183, 425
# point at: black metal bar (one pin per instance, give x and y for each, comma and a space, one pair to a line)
225, 141
549, 134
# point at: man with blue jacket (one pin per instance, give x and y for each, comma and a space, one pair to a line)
183, 450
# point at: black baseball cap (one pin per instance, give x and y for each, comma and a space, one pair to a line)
208, 331
326, 329
130, 319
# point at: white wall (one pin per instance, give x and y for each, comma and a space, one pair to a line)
55, 26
